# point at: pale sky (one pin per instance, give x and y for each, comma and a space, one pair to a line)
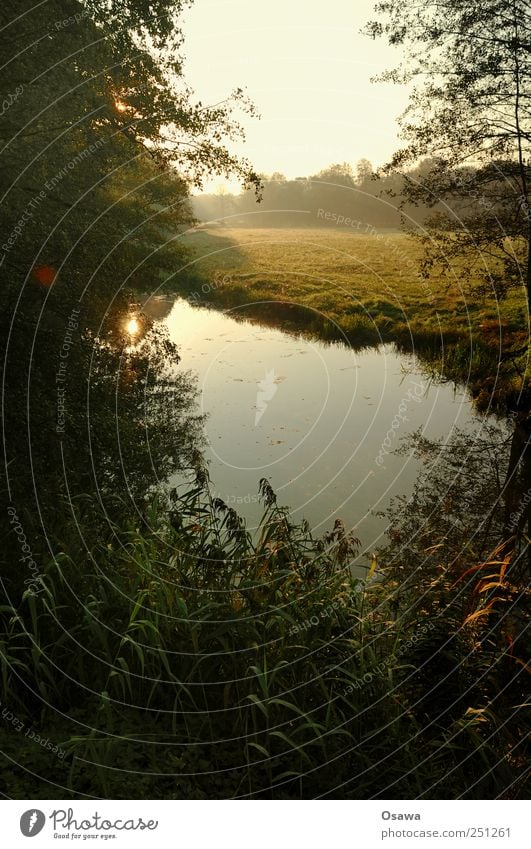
307, 68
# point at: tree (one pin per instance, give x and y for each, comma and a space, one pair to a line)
100, 141
471, 110
364, 171
339, 174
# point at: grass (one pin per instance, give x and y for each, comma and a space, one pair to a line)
179, 658
363, 289
345, 276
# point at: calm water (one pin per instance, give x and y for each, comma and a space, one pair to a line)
314, 418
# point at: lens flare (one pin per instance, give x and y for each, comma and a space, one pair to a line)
45, 274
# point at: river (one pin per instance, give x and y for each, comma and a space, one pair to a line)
320, 421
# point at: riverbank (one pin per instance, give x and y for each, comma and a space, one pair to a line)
196, 664
364, 288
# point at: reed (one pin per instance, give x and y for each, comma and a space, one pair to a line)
183, 658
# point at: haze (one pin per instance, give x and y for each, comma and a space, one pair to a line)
307, 68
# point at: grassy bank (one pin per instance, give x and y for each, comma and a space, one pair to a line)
363, 288
179, 659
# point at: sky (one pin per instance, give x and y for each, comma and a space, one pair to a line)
307, 68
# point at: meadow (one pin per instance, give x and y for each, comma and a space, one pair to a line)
369, 280
364, 289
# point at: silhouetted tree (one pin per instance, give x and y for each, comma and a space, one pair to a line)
471, 111
364, 171
100, 140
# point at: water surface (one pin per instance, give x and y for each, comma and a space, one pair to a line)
318, 420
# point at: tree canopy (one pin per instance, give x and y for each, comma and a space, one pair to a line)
101, 139
469, 64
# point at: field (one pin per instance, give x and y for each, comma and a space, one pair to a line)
364, 289
366, 283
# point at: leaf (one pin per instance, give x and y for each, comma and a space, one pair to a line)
259, 748
483, 612
252, 697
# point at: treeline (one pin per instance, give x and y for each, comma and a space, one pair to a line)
429, 194
337, 196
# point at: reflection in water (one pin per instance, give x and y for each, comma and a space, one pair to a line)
459, 553
472, 495
133, 327
320, 421
157, 307
517, 485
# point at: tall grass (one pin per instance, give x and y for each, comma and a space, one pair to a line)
182, 658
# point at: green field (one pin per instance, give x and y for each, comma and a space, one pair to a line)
372, 280
363, 288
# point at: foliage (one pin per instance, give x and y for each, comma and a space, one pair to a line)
470, 111
100, 138
459, 552
206, 664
